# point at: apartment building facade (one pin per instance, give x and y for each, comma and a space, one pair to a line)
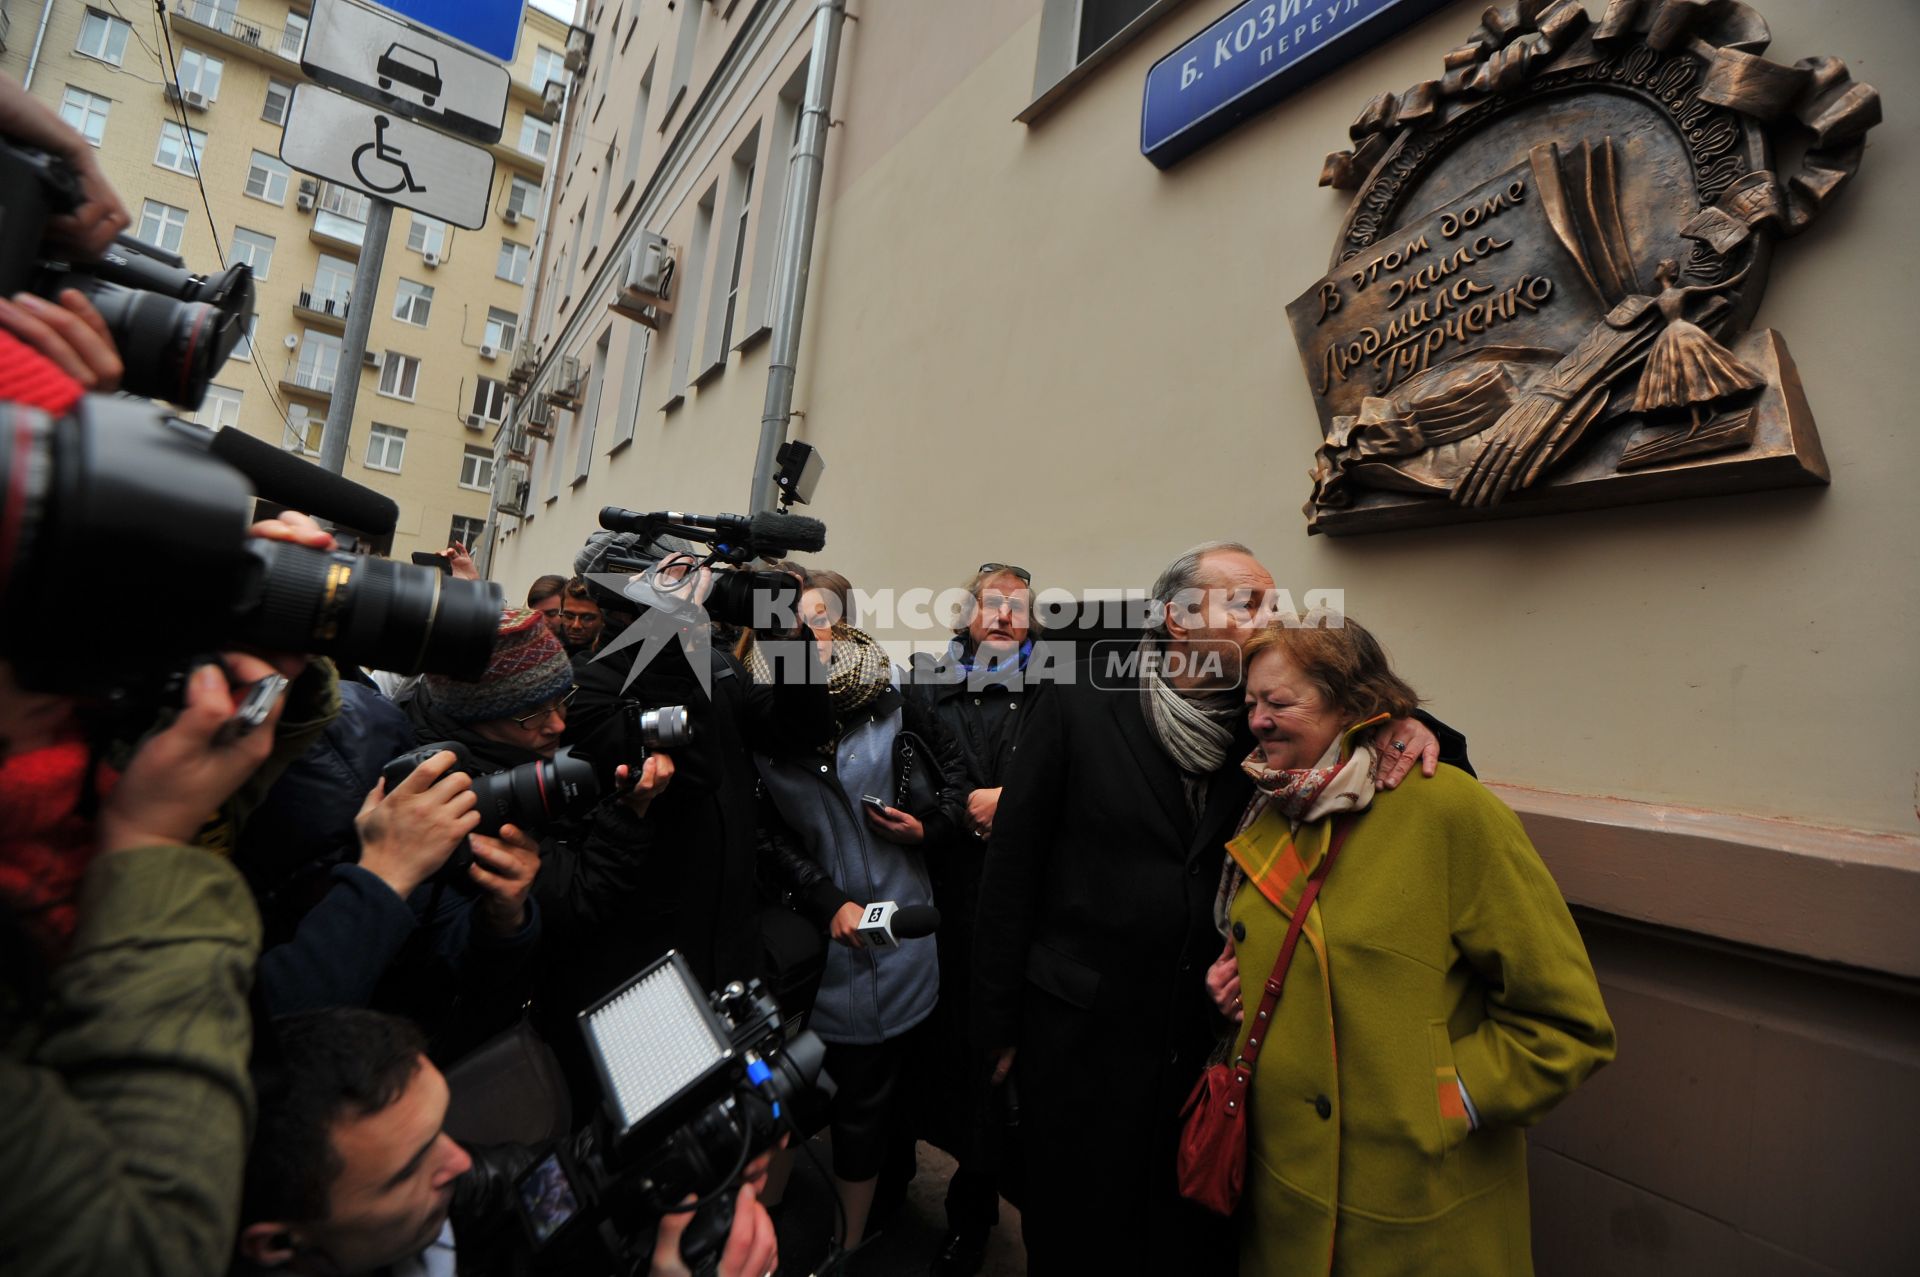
1023, 342
187, 115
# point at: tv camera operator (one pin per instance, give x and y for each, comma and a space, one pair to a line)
700, 891
125, 952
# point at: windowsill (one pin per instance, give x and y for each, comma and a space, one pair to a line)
673, 104
712, 370
620, 445
279, 203
576, 481
753, 337
368, 465
586, 263
1069, 83
674, 400
625, 195
400, 398
469, 487
408, 322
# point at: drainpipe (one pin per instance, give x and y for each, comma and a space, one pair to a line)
39, 38
803, 208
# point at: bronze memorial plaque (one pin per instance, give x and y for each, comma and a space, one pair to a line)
1540, 299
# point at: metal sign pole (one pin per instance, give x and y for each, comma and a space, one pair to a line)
353, 346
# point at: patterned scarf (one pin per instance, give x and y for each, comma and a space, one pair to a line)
1194, 728
1304, 796
859, 672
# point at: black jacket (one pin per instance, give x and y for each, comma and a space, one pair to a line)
1095, 933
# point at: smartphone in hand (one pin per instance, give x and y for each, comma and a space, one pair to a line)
874, 804
430, 559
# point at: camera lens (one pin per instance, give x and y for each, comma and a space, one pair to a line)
760, 600
665, 728
372, 612
171, 349
535, 794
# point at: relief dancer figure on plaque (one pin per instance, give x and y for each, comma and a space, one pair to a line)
1686, 368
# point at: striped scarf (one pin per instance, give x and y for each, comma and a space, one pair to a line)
859, 672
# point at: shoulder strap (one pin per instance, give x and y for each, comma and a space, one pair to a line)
1270, 997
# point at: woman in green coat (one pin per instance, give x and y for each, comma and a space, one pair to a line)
1439, 1001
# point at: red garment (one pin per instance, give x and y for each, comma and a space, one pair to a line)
45, 845
29, 377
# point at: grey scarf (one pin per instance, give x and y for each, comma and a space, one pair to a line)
1194, 728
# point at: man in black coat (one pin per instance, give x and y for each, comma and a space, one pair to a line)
1096, 926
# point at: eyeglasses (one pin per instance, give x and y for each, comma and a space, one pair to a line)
558, 705
1015, 604
1022, 573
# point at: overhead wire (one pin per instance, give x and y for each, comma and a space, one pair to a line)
170, 69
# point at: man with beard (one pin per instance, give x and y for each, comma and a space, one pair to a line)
1096, 920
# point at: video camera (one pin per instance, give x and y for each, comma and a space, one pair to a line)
173, 328
696, 1086
744, 598
110, 504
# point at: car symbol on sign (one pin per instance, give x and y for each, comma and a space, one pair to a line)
412, 68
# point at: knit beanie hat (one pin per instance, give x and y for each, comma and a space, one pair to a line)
528, 669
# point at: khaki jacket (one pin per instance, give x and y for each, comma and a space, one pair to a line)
1452, 956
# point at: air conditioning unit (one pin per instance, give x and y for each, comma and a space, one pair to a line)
540, 421
578, 44
304, 202
374, 359
565, 390
431, 259
309, 186
195, 99
476, 422
489, 352
511, 216
515, 503
646, 294
554, 96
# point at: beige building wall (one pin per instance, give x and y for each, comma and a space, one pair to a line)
1024, 343
258, 43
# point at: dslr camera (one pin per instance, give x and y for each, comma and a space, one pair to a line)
535, 794
696, 1086
173, 328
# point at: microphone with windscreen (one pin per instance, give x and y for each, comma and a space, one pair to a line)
295, 484
768, 535
885, 924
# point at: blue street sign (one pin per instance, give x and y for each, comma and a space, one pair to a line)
491, 27
1258, 53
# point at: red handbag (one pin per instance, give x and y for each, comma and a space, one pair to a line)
1212, 1162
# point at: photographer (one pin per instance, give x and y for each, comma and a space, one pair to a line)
351, 1171
123, 1087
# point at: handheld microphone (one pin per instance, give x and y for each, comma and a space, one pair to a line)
885, 924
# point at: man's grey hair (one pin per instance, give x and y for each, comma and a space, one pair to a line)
1181, 575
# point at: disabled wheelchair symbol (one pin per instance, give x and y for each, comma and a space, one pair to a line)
384, 159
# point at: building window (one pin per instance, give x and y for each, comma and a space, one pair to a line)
304, 432
682, 59
465, 531
221, 408
332, 285
162, 225
253, 248
86, 112
279, 95
476, 469
512, 266
523, 198
267, 178
181, 151
103, 37
399, 375
293, 37
200, 73
243, 349
490, 399
536, 137
743, 174
427, 235
412, 302
503, 329
386, 445
687, 286
319, 363
547, 65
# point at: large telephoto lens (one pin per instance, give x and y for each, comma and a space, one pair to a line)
757, 600
534, 795
171, 349
373, 612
